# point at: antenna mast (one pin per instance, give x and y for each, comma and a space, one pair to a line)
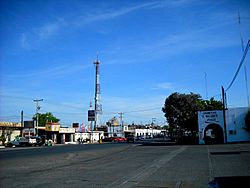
98, 106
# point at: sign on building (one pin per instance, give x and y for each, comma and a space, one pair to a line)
52, 127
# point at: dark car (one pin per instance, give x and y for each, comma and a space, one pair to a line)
40, 140
130, 138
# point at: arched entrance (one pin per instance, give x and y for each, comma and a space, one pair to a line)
213, 134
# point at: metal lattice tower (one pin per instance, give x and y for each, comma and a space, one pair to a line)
98, 106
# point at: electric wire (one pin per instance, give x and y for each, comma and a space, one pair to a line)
240, 65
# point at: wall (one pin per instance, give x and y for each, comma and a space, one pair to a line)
206, 118
235, 119
93, 136
235, 123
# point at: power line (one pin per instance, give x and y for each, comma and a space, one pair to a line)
144, 110
241, 63
47, 101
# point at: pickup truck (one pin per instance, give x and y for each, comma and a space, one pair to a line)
32, 140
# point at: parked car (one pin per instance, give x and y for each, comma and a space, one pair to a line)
18, 141
130, 138
120, 139
140, 138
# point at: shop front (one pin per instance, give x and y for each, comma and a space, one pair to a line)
66, 135
52, 131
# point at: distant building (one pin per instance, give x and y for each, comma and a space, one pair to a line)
10, 130
211, 126
143, 131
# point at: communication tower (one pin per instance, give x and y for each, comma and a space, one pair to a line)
98, 105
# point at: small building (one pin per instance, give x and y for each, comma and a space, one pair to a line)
9, 130
66, 135
90, 137
211, 126
143, 132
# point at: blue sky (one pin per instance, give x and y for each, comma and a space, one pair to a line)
148, 50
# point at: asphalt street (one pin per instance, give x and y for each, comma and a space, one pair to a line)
123, 165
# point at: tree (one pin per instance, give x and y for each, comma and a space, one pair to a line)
212, 104
181, 111
6, 132
44, 118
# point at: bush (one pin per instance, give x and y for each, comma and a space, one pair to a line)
2, 139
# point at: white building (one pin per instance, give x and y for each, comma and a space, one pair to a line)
211, 126
92, 137
150, 132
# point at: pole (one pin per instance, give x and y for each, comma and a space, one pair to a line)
37, 115
22, 123
224, 113
121, 114
206, 85
245, 70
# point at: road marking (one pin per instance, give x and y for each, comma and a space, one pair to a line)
210, 167
146, 172
178, 184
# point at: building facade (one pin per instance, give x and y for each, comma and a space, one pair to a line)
213, 131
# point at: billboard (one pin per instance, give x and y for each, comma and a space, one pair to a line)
28, 124
91, 115
75, 125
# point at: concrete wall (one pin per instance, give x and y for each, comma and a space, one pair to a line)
235, 123
235, 120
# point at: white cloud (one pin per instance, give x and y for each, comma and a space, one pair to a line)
24, 41
47, 30
53, 71
163, 85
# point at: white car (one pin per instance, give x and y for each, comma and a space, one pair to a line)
19, 141
32, 140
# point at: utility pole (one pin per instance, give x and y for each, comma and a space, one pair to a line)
91, 126
98, 107
121, 118
37, 115
22, 122
206, 85
224, 113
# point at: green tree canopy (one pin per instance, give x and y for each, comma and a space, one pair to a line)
181, 110
47, 117
212, 104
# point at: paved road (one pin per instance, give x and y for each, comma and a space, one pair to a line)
122, 165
